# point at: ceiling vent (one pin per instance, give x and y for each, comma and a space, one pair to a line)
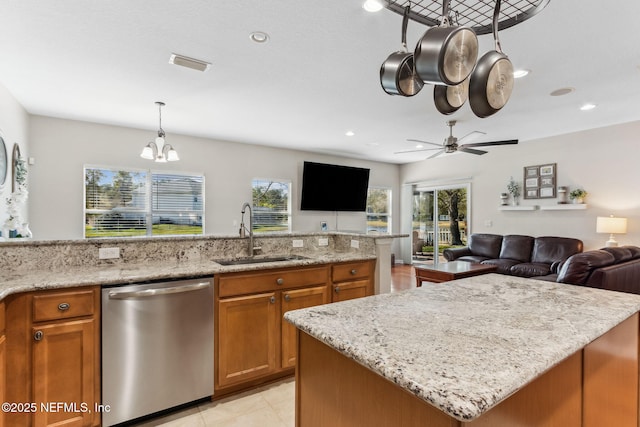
185, 61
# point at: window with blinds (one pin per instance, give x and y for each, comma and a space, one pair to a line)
127, 202
271, 205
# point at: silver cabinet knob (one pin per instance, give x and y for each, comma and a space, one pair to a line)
287, 298
38, 335
272, 300
64, 306
337, 289
354, 271
279, 280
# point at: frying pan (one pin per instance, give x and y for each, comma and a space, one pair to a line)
448, 99
491, 82
397, 73
446, 54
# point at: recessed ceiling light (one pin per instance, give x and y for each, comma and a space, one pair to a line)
372, 5
349, 133
259, 37
587, 107
562, 91
419, 146
185, 61
520, 73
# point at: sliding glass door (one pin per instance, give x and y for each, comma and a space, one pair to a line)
439, 221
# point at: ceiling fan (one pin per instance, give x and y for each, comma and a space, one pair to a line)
452, 144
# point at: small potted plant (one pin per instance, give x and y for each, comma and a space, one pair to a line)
578, 195
514, 190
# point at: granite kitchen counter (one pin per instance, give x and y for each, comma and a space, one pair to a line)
465, 346
23, 281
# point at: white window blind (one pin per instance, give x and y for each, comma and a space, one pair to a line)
122, 203
271, 205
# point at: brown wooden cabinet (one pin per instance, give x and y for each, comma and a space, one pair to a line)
253, 344
53, 357
352, 280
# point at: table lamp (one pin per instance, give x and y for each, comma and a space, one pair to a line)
611, 225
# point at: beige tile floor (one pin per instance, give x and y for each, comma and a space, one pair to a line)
268, 406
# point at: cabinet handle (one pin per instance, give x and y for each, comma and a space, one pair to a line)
337, 289
272, 300
64, 306
279, 280
287, 298
38, 335
353, 272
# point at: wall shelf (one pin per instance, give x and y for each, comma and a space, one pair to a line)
517, 208
564, 207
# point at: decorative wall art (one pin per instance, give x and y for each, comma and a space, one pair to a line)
540, 181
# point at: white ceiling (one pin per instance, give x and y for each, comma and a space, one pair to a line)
316, 78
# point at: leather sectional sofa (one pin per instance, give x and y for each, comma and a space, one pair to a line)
556, 259
516, 255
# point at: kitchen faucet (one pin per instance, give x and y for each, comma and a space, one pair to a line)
244, 229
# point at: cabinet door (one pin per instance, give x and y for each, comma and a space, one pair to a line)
248, 337
293, 300
3, 346
63, 370
350, 290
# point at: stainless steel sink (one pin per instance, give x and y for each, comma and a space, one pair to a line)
259, 260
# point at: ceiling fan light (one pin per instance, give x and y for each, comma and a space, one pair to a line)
372, 5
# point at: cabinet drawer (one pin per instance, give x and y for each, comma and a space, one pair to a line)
266, 281
63, 305
351, 271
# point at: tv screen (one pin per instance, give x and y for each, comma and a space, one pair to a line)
334, 188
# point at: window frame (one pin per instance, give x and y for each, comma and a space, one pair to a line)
388, 215
288, 212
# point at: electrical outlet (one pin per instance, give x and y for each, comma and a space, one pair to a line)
108, 253
355, 244
323, 241
298, 243
488, 223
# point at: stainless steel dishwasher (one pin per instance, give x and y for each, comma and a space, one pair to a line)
157, 347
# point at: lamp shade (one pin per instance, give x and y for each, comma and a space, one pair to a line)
611, 225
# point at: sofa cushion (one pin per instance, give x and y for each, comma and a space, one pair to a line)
503, 264
578, 267
485, 245
621, 254
550, 249
635, 251
517, 247
531, 269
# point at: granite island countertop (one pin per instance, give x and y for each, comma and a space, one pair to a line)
15, 282
464, 346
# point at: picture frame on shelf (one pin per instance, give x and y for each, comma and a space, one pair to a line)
540, 181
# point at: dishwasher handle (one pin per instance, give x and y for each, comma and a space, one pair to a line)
158, 291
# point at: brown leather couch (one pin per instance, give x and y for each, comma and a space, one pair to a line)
516, 255
616, 269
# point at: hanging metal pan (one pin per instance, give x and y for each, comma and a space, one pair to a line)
449, 99
446, 54
491, 83
397, 73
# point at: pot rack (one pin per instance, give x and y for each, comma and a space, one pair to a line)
477, 14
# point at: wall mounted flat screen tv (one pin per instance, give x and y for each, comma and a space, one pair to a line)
334, 188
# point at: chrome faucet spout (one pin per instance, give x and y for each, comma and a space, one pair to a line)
244, 229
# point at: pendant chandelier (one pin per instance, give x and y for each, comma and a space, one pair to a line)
159, 150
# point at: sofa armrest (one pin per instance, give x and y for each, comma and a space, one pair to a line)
451, 254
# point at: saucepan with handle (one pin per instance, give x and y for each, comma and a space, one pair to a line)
491, 82
446, 55
397, 73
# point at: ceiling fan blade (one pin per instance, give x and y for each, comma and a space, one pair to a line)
416, 150
487, 144
471, 136
472, 151
424, 142
435, 155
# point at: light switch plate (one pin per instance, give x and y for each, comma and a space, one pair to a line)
108, 253
298, 243
323, 241
355, 244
